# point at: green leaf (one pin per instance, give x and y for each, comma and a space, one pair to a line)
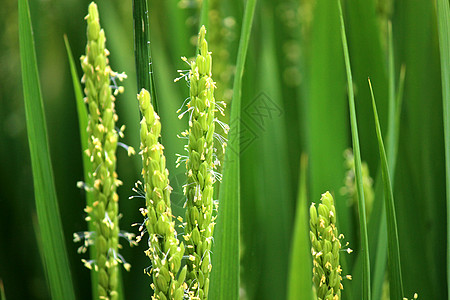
420, 173
81, 108
357, 154
367, 58
378, 226
327, 111
300, 278
443, 13
87, 165
142, 50
267, 202
225, 272
54, 248
395, 274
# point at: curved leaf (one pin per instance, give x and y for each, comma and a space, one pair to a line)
225, 272
357, 154
54, 249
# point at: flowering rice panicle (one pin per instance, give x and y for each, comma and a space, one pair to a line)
201, 163
102, 145
165, 251
326, 245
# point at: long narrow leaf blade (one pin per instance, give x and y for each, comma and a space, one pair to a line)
54, 248
87, 165
395, 274
225, 272
379, 246
142, 50
443, 12
367, 57
81, 106
325, 154
357, 154
300, 278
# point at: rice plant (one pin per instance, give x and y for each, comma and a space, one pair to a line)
287, 80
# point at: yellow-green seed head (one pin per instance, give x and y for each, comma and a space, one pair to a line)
102, 145
326, 245
165, 251
200, 168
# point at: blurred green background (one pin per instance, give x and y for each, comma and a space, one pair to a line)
294, 101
